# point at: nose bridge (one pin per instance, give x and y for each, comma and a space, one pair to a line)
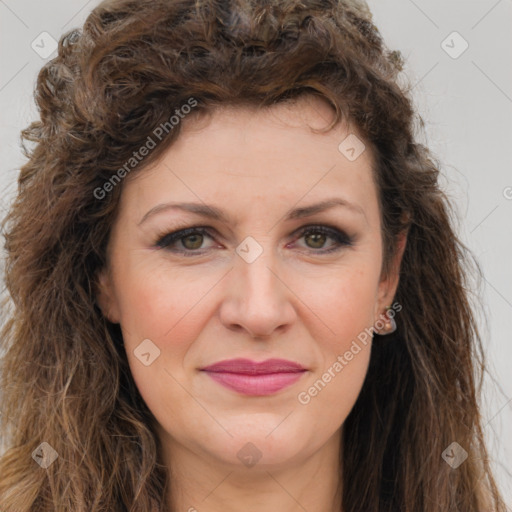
255, 268
257, 300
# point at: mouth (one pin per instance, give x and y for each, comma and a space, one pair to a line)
255, 378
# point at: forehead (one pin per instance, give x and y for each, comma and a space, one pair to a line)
305, 119
236, 155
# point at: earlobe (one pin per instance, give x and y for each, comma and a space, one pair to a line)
105, 297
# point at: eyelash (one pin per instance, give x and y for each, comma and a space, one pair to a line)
166, 239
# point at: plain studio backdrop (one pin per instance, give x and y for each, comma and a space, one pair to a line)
458, 55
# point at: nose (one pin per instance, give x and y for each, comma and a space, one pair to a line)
257, 298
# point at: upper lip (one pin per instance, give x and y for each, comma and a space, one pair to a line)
248, 367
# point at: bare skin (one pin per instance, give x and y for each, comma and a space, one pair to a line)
293, 301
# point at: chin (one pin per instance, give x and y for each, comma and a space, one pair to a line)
259, 444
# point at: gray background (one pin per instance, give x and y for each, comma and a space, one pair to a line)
465, 100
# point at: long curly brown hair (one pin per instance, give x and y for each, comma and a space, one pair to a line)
65, 375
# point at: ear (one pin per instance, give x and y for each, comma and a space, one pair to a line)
105, 296
389, 284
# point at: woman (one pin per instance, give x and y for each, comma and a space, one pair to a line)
183, 334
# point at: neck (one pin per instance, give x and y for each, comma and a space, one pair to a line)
202, 483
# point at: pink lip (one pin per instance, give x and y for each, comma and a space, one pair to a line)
253, 378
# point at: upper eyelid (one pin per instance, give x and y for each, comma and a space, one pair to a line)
209, 231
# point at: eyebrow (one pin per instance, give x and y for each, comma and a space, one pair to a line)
212, 212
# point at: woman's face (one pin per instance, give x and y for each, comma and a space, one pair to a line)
252, 286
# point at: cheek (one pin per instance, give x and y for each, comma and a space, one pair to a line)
343, 304
161, 303
166, 307
346, 307
332, 394
170, 308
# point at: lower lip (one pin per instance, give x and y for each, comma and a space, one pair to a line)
258, 385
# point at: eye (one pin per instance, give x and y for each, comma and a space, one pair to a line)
317, 236
191, 239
